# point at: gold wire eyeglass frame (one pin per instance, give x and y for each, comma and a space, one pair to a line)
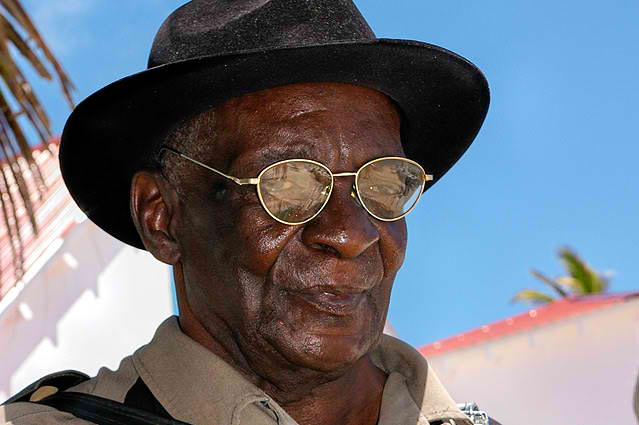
256, 181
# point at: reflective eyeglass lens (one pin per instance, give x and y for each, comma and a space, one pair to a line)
294, 191
389, 188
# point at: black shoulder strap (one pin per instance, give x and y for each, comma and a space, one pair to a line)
59, 380
98, 410
141, 397
102, 411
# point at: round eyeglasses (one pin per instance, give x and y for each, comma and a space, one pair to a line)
295, 191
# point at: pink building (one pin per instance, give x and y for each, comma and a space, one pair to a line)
572, 362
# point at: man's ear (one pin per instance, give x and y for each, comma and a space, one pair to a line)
153, 205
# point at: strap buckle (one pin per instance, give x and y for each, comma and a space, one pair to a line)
472, 411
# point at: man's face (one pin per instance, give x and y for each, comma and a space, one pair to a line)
313, 295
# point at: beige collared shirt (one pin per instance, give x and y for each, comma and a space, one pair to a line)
197, 387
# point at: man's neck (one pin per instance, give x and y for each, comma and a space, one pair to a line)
353, 399
349, 397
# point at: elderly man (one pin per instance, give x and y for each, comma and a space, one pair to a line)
269, 154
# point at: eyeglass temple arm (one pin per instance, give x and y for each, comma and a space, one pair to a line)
201, 164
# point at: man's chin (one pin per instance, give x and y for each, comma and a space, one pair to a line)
324, 348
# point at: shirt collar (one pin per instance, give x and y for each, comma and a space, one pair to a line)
410, 374
196, 386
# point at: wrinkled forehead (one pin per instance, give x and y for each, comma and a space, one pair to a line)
283, 102
313, 120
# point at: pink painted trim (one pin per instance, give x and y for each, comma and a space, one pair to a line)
533, 318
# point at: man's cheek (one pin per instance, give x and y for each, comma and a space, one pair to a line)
263, 239
393, 246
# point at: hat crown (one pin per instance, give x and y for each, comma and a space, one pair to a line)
215, 27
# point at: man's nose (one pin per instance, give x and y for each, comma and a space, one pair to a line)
343, 227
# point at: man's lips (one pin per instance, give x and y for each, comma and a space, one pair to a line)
338, 302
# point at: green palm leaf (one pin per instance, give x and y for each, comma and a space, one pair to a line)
584, 277
532, 296
553, 284
581, 280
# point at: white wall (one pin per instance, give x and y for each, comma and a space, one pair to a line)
579, 371
95, 301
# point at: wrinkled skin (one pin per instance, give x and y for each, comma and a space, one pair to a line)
295, 308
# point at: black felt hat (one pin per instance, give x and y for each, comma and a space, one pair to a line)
209, 51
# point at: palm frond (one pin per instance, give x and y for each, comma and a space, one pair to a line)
20, 89
548, 281
17, 12
532, 296
583, 275
18, 177
574, 286
23, 47
13, 229
20, 106
581, 280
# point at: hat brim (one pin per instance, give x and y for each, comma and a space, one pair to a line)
443, 97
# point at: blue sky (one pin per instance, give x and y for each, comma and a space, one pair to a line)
555, 163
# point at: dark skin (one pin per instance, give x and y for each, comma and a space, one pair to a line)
297, 309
